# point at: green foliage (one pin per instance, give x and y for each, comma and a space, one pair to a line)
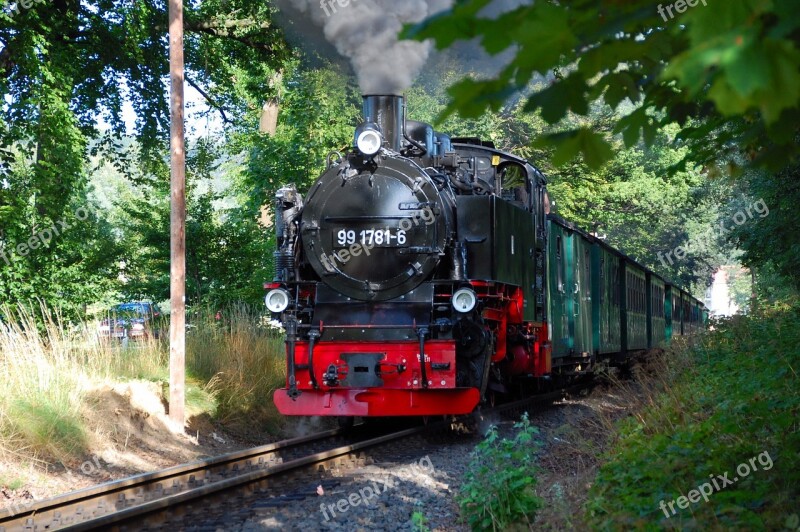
740, 284
64, 66
228, 253
730, 66
738, 396
499, 485
318, 113
419, 522
47, 429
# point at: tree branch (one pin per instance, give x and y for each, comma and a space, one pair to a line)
211, 101
227, 24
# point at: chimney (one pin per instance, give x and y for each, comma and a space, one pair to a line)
387, 111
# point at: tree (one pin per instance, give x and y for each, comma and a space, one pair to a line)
63, 65
319, 108
228, 253
727, 73
769, 237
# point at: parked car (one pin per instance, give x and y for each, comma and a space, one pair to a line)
134, 320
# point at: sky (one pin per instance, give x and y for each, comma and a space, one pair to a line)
194, 106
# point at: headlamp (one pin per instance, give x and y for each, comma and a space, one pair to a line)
464, 300
277, 300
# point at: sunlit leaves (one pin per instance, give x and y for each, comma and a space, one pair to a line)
747, 72
65, 64
636, 124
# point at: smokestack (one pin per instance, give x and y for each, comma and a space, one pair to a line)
387, 111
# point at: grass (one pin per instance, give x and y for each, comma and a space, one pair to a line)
41, 383
733, 397
12, 483
47, 368
241, 361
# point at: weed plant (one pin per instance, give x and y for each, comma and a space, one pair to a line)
498, 490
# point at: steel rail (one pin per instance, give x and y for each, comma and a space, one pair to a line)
139, 487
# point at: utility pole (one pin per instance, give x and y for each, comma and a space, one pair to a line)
177, 322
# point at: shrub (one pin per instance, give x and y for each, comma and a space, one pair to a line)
499, 484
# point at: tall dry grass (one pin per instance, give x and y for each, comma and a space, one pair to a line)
241, 359
47, 366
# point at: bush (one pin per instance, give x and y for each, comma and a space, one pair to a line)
499, 483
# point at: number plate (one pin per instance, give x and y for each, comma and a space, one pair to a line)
386, 237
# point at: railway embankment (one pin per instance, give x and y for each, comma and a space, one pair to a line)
77, 410
716, 441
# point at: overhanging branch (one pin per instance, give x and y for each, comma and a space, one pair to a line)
211, 101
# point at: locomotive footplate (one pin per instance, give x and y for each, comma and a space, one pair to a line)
378, 402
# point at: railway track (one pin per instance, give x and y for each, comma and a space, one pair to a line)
143, 500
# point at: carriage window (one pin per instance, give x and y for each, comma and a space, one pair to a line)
642, 294
602, 279
560, 261
614, 281
586, 263
658, 302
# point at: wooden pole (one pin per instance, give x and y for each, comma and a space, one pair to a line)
177, 327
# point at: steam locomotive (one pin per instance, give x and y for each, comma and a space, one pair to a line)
422, 275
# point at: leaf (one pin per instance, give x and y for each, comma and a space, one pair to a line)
728, 101
544, 36
632, 125
448, 26
784, 83
472, 97
620, 85
559, 97
569, 144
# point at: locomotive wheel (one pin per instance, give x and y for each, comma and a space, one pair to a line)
471, 339
474, 350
